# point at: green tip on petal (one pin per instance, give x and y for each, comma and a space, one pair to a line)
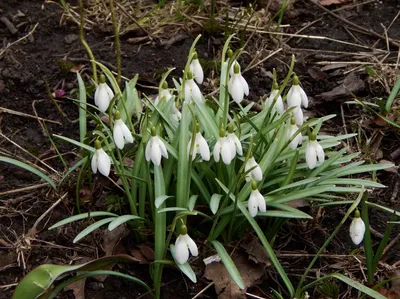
189, 75
195, 56
357, 214
236, 68
295, 80
97, 144
292, 121
230, 53
221, 132
253, 185
102, 78
183, 229
275, 86
153, 131
230, 128
313, 136
164, 85
117, 115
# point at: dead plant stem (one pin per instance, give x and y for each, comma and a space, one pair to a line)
117, 41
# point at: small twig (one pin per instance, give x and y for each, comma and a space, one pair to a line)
19, 40
24, 189
10, 26
2, 109
203, 290
366, 31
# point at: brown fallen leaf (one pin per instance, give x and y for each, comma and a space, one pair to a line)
351, 84
256, 251
331, 2
78, 288
225, 287
143, 253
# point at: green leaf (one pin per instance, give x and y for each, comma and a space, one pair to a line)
214, 202
77, 143
192, 202
40, 280
80, 217
160, 200
82, 108
229, 264
185, 268
91, 228
120, 220
28, 168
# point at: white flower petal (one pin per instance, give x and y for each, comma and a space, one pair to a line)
232, 69
156, 153
279, 105
296, 140
262, 206
217, 149
245, 85
227, 151
191, 245
253, 204
294, 98
149, 149
126, 132
118, 136
320, 152
181, 250
298, 116
103, 162
197, 71
311, 155
257, 173
203, 147
238, 146
188, 93
93, 163
235, 88
102, 96
357, 230
304, 98
163, 148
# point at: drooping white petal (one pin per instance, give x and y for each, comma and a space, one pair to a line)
238, 146
228, 151
156, 153
176, 114
102, 96
357, 230
194, 149
262, 206
126, 132
294, 98
304, 98
188, 93
93, 163
278, 104
311, 155
217, 149
192, 92
149, 149
181, 250
197, 70
118, 136
235, 88
298, 116
191, 245
103, 162
164, 93
253, 204
245, 85
163, 148
320, 152
203, 148
296, 140
255, 173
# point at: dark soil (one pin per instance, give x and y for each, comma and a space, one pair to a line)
27, 67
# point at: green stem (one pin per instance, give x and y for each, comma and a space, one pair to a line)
117, 42
84, 43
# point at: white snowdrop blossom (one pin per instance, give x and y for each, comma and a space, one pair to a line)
279, 103
256, 201
100, 160
155, 149
235, 140
224, 148
298, 139
176, 114
103, 95
192, 91
255, 173
163, 93
295, 98
197, 70
183, 245
200, 146
121, 132
237, 85
314, 152
357, 229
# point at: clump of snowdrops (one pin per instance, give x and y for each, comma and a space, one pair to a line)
190, 152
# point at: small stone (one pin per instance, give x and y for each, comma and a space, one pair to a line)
70, 38
95, 286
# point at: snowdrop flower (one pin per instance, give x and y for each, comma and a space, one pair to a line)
278, 103
163, 93
224, 148
314, 152
183, 245
298, 139
200, 146
100, 160
295, 98
121, 131
237, 85
176, 114
237, 148
196, 69
192, 91
256, 201
255, 173
357, 229
155, 148
103, 95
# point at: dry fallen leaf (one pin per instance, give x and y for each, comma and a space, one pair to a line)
225, 287
256, 251
78, 288
351, 84
143, 253
330, 2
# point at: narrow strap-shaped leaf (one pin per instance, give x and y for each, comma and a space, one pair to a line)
120, 220
229, 264
80, 217
91, 228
